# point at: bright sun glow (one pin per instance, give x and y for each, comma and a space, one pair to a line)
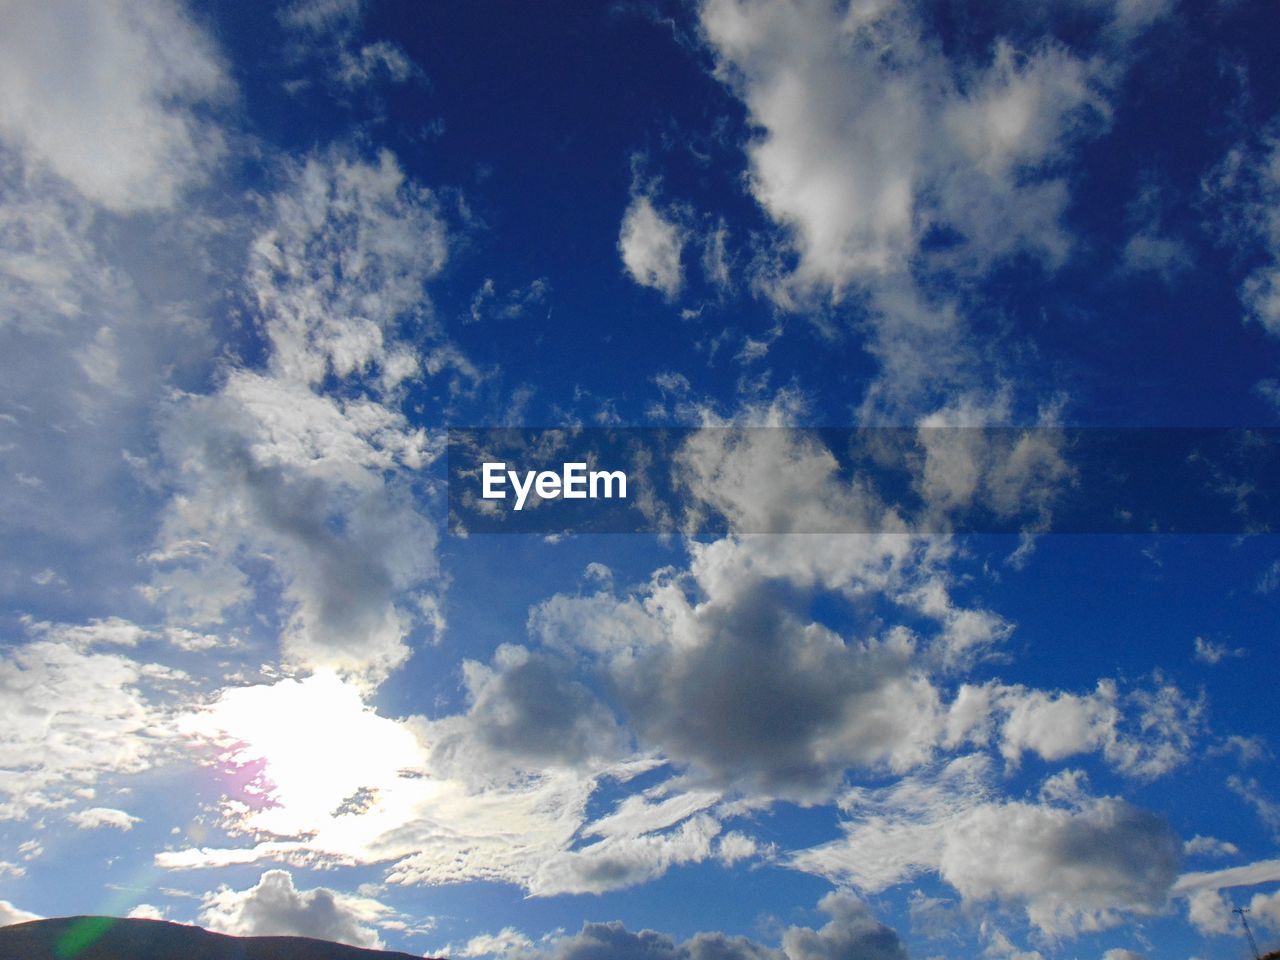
325, 755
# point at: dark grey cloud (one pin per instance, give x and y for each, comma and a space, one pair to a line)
852, 934
528, 710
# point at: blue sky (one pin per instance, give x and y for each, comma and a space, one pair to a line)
257, 259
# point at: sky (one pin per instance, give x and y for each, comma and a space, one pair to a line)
257, 260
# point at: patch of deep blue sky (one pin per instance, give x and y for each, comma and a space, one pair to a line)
534, 112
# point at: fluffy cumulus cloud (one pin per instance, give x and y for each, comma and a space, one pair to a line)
526, 710
741, 686
891, 164
507, 940
870, 137
651, 244
103, 94
759, 474
852, 932
272, 465
1144, 733
1071, 865
700, 664
723, 669
275, 907
318, 485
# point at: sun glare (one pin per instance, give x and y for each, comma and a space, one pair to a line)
322, 752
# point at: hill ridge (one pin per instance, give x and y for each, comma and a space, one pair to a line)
90, 937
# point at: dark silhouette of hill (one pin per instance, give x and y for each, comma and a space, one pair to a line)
107, 938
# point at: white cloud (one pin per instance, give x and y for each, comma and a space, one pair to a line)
706, 683
700, 664
95, 818
9, 914
267, 466
272, 466
67, 718
507, 940
1201, 846
1207, 651
1264, 908
328, 31
1058, 725
350, 246
1076, 867
109, 631
332, 751
1251, 874
852, 932
102, 91
767, 478
505, 832
148, 911
639, 814
1250, 791
373, 61
998, 945
733, 847
1144, 733
1211, 913
1246, 749
1270, 579
651, 245
321, 15
870, 137
275, 907
1245, 185
1269, 391
620, 860
488, 303
891, 164
1011, 473
716, 261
